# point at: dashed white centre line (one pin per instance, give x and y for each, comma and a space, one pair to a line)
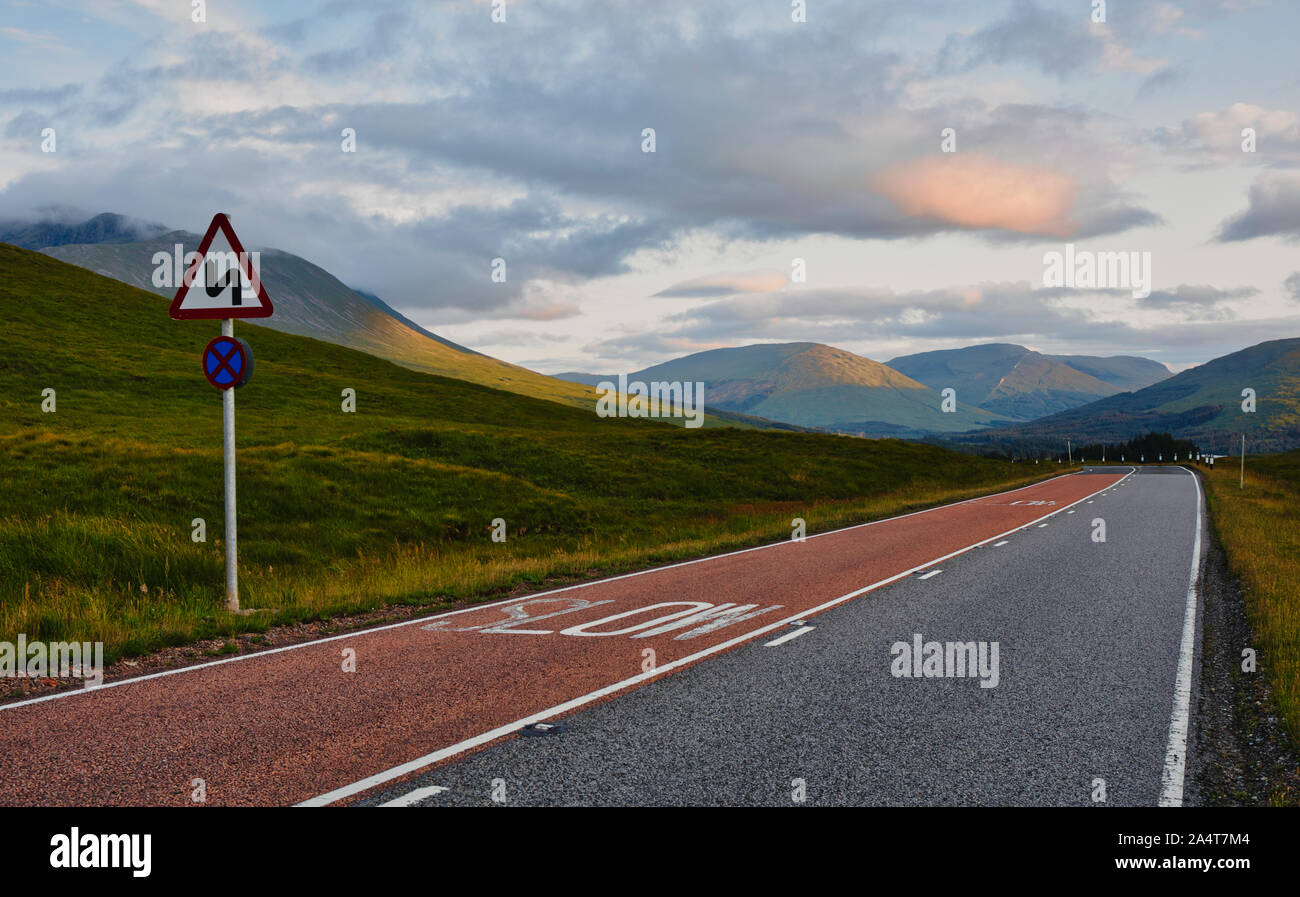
789, 635
413, 798
1041, 525
1000, 544
928, 575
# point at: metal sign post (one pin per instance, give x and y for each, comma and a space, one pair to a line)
228, 433
226, 291
1242, 484
228, 365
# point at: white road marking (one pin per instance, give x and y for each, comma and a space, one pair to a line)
1000, 544
1041, 525
928, 575
550, 712
1171, 779
1071, 512
419, 794
795, 633
477, 607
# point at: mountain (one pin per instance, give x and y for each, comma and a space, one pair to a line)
1125, 372
389, 310
587, 379
1203, 404
813, 385
309, 301
105, 228
1015, 382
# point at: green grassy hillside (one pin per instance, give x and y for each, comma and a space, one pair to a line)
343, 512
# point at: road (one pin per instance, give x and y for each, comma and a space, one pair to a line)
669, 694
1089, 635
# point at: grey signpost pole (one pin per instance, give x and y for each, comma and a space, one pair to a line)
217, 365
228, 426
1242, 484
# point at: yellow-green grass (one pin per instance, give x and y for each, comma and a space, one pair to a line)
343, 512
1259, 528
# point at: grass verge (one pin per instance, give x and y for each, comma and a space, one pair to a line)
1259, 528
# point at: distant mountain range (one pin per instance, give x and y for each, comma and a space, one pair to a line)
1013, 382
813, 385
1007, 395
1203, 404
105, 228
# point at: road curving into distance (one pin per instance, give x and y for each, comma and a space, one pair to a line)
1088, 707
1089, 636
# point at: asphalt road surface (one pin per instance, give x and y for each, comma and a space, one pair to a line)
1089, 636
694, 683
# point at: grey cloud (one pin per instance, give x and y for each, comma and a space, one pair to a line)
48, 95
1292, 285
388, 31
1202, 295
1214, 139
1008, 311
1165, 79
27, 124
1273, 210
552, 106
1056, 42
517, 338
698, 292
754, 150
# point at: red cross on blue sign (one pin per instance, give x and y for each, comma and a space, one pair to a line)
228, 362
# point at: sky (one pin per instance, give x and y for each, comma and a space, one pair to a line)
885, 177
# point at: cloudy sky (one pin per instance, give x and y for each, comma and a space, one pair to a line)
779, 146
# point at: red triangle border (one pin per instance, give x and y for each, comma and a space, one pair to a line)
221, 221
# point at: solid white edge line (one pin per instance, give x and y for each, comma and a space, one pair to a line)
414, 797
789, 635
437, 756
1171, 777
476, 607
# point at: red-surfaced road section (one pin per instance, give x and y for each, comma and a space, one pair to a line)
292, 725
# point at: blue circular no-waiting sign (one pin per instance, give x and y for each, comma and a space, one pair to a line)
228, 362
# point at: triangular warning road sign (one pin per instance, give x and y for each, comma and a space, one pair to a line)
227, 280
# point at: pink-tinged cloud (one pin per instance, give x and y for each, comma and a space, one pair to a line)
981, 193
